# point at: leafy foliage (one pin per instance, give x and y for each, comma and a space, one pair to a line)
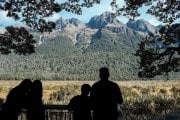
17, 39
159, 54
166, 11
32, 12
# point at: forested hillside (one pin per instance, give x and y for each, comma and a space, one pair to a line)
58, 58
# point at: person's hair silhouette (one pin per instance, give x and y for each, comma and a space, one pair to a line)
105, 95
35, 110
80, 104
104, 73
16, 100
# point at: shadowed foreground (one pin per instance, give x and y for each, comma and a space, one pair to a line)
60, 112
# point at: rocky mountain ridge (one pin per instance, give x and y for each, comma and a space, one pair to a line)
142, 26
82, 35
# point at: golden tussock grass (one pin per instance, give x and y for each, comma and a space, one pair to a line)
60, 92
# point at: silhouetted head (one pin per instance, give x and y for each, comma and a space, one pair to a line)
25, 85
104, 73
85, 89
37, 88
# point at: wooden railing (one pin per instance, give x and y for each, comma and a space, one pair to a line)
52, 112
57, 112
60, 112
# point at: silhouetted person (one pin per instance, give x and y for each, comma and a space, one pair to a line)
35, 109
80, 104
15, 101
105, 96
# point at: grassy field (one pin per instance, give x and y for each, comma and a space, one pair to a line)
60, 92
142, 99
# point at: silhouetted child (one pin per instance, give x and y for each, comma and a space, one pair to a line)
35, 109
105, 96
80, 104
15, 101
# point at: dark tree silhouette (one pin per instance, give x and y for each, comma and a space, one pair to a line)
32, 13
17, 40
166, 11
159, 54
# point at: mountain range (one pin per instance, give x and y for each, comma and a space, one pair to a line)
76, 50
83, 34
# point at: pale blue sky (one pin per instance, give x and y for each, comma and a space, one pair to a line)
86, 14
103, 7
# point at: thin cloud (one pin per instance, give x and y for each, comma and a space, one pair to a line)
4, 17
54, 17
154, 21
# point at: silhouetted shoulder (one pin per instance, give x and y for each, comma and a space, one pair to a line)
104, 85
114, 85
73, 104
